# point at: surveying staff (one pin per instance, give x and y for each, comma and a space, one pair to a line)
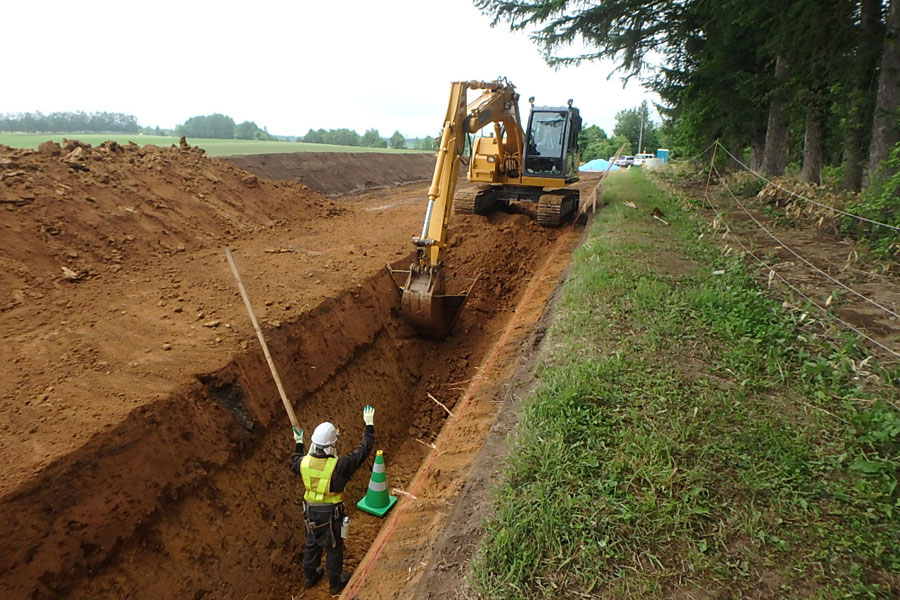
324, 477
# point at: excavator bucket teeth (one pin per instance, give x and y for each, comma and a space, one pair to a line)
431, 314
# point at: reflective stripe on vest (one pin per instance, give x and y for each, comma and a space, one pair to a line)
316, 474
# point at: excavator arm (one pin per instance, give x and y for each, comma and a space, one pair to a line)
498, 105
424, 303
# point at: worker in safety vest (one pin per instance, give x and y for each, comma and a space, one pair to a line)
325, 476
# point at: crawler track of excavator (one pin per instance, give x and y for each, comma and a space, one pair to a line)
477, 201
556, 208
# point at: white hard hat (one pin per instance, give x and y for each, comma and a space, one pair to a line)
325, 435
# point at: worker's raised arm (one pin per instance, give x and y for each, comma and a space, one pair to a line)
347, 465
299, 450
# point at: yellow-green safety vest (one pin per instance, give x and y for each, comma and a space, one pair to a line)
316, 474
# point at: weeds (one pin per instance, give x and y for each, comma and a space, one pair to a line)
880, 202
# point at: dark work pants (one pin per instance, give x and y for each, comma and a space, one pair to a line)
334, 559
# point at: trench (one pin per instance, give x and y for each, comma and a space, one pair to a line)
192, 496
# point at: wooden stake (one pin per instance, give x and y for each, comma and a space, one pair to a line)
711, 162
262, 341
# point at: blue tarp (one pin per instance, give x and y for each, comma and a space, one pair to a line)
598, 164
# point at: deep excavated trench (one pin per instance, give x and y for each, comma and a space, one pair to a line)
191, 496
243, 517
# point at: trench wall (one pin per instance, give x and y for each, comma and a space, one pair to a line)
220, 435
191, 496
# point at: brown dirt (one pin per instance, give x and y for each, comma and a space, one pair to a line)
336, 173
146, 447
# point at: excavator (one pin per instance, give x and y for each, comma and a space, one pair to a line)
510, 164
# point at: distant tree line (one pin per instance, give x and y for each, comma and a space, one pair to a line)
219, 126
370, 139
633, 128
69, 122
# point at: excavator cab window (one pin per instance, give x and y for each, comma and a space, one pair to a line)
545, 151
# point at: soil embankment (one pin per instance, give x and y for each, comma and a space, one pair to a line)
339, 173
146, 447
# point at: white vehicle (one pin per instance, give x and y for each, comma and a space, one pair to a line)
640, 158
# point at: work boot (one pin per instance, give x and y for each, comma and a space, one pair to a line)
337, 582
313, 576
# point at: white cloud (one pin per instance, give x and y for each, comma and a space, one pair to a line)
288, 66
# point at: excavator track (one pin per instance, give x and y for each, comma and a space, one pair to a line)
554, 209
477, 201
464, 202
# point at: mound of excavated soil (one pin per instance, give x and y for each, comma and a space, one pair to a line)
338, 173
145, 445
78, 212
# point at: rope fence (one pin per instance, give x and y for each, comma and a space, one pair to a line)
799, 257
774, 273
800, 196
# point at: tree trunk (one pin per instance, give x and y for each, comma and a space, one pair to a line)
757, 149
813, 143
775, 158
737, 149
854, 154
885, 126
862, 98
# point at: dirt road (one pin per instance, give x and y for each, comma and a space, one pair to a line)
146, 447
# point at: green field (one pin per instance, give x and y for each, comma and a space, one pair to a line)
690, 437
212, 147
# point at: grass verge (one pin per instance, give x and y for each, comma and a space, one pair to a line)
691, 438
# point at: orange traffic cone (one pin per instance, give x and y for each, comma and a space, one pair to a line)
377, 501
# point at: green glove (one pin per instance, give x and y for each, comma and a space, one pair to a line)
298, 435
369, 415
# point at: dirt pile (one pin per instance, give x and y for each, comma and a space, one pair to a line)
338, 173
78, 212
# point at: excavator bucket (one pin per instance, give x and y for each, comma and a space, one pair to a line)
425, 306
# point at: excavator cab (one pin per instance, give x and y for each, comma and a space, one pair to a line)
551, 147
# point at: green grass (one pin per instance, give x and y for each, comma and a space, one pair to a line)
213, 147
691, 438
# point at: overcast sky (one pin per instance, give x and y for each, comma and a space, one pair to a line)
287, 65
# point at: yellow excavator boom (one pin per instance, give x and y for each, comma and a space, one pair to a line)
497, 104
424, 302
513, 167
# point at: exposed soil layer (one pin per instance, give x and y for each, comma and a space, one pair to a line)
146, 447
339, 173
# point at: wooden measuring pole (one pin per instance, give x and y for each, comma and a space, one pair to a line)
262, 341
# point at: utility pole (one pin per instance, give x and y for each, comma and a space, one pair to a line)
641, 133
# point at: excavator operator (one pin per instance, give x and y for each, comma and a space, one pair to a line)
324, 477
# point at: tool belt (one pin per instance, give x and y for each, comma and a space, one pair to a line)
323, 522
